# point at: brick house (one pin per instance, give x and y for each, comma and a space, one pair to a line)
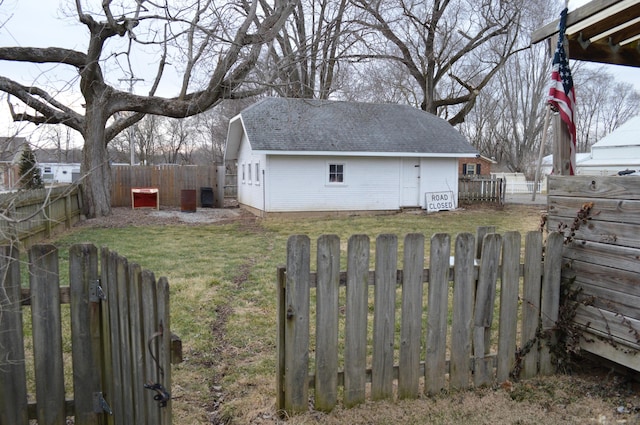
479, 165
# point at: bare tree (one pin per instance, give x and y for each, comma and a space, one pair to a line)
306, 55
603, 104
450, 49
202, 37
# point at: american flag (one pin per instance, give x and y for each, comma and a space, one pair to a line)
562, 97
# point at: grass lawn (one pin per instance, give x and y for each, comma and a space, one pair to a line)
223, 306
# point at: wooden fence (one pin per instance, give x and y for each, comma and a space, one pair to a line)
602, 259
170, 179
455, 316
119, 337
481, 189
33, 215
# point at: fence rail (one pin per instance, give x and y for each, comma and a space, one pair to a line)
33, 215
481, 189
371, 356
119, 334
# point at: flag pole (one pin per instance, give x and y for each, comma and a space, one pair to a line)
541, 152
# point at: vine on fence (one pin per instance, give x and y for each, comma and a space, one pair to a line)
568, 333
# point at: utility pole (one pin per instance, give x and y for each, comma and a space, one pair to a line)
132, 80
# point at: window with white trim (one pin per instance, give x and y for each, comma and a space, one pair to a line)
336, 173
243, 172
257, 165
249, 172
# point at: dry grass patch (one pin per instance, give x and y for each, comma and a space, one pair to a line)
223, 306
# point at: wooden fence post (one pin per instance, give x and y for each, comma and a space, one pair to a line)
531, 303
85, 334
437, 310
509, 289
462, 322
327, 287
355, 350
384, 318
13, 379
296, 382
550, 299
411, 327
47, 334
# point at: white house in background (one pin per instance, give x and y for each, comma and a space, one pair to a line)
302, 155
53, 172
617, 151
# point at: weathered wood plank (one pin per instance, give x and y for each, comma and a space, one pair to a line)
85, 333
608, 299
297, 324
437, 311
384, 316
150, 330
620, 234
164, 351
326, 382
355, 350
481, 232
616, 257
532, 284
462, 322
108, 379
484, 306
609, 325
111, 288
281, 318
620, 354
614, 187
47, 334
509, 289
138, 345
13, 380
550, 299
122, 277
411, 324
622, 210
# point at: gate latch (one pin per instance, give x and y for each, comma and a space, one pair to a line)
95, 291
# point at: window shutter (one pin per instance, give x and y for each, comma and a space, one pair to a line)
464, 169
478, 169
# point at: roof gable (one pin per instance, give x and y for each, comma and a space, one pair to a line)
285, 125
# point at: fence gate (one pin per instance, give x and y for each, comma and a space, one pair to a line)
116, 320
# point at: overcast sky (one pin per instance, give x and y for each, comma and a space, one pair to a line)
41, 23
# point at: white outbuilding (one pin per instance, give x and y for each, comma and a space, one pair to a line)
302, 155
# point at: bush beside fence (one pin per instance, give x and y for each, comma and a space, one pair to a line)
382, 361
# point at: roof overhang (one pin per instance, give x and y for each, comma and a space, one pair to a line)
369, 154
602, 31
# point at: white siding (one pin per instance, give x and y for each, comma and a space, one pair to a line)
438, 175
251, 187
299, 183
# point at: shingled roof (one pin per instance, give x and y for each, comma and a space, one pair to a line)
286, 125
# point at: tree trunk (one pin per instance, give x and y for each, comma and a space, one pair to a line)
96, 171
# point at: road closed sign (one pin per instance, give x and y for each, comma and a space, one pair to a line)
439, 201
